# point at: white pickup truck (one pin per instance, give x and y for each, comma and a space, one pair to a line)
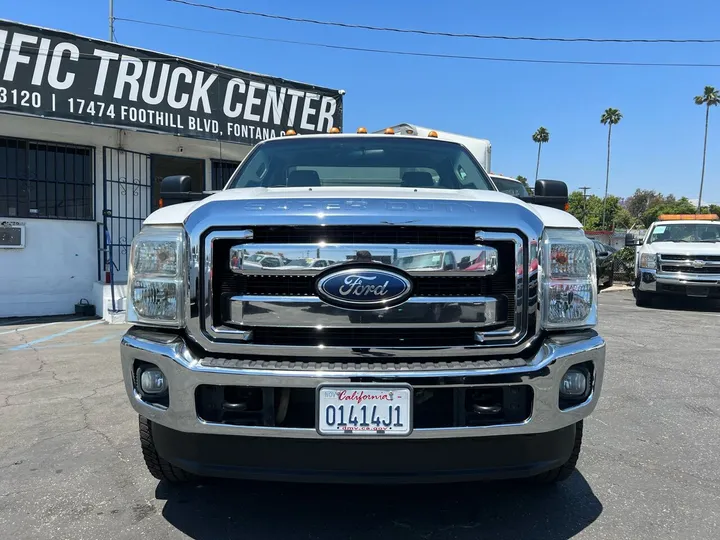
680, 256
345, 373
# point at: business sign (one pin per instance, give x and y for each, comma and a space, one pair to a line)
60, 75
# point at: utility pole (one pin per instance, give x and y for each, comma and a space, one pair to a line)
111, 22
584, 190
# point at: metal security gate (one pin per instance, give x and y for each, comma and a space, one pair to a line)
128, 200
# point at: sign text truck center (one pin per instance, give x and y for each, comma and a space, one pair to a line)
87, 130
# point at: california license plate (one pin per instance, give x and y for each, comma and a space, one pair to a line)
364, 410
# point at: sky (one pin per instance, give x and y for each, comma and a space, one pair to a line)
658, 144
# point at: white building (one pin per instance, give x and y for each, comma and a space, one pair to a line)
77, 182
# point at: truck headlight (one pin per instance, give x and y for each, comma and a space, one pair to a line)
156, 277
648, 260
569, 281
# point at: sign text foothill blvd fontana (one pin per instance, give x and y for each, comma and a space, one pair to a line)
68, 77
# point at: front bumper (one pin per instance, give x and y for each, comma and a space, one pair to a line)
650, 280
185, 370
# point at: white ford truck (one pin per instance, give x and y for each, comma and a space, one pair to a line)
343, 373
679, 256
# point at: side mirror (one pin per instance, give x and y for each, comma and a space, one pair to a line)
177, 189
552, 193
551, 188
631, 241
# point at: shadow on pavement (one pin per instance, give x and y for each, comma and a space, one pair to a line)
682, 303
230, 509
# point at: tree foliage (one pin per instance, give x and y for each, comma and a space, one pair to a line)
646, 205
589, 212
524, 182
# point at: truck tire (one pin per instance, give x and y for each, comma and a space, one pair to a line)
158, 467
564, 471
642, 298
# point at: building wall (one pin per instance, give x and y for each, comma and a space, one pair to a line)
59, 263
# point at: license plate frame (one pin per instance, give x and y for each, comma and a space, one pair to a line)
406, 391
698, 291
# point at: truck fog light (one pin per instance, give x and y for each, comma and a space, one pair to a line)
152, 381
574, 383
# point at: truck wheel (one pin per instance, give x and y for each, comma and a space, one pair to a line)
564, 471
158, 467
642, 298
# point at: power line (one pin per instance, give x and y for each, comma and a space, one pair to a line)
418, 53
434, 33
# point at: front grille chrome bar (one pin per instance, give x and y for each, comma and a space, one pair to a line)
311, 312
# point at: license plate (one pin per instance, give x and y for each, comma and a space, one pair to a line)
364, 410
702, 292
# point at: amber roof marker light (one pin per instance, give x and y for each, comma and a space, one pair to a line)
290, 133
362, 130
433, 134
334, 130
389, 131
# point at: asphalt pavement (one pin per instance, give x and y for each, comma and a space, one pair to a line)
71, 468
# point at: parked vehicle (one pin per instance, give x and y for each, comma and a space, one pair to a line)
605, 266
508, 185
232, 374
480, 148
679, 255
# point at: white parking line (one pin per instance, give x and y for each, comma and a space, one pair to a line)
29, 344
38, 326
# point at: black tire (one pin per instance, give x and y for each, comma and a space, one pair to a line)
564, 471
642, 298
610, 282
158, 467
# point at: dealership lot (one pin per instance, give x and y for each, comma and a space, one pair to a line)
70, 463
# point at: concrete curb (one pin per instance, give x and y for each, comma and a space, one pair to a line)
617, 288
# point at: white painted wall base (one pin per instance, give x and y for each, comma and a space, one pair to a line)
102, 298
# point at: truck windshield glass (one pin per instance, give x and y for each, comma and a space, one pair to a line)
362, 161
516, 189
686, 232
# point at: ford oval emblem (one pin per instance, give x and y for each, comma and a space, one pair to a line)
363, 288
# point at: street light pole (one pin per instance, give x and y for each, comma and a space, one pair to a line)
111, 22
584, 190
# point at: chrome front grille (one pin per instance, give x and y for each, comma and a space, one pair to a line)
690, 264
469, 289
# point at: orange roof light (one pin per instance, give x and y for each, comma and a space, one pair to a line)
567, 207
362, 130
389, 131
433, 134
688, 217
290, 133
334, 130
161, 203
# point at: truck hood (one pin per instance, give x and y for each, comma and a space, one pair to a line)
329, 200
685, 248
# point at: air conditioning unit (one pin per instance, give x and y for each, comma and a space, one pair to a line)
12, 235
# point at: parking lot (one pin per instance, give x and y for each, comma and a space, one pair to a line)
71, 468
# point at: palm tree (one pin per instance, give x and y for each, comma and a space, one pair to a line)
609, 118
710, 96
541, 136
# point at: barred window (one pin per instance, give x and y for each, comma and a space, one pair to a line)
45, 180
221, 173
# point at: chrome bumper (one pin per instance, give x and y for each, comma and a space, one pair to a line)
649, 279
185, 370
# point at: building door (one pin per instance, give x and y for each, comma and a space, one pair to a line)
128, 200
163, 166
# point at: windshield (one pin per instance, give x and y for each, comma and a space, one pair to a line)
510, 187
255, 258
686, 232
428, 260
360, 161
